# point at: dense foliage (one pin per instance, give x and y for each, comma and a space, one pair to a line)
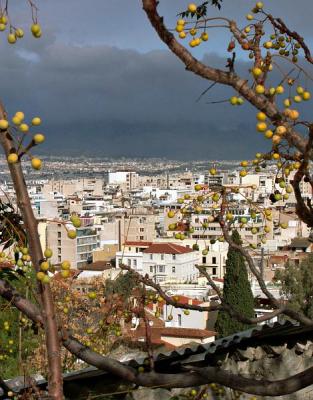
237, 292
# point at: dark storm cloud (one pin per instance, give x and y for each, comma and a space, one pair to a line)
109, 101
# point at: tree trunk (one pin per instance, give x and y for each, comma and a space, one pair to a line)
55, 384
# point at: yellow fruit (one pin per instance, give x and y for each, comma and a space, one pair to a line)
179, 28
40, 276
44, 266
76, 221
213, 171
92, 295
65, 273
11, 38
193, 32
261, 116
4, 124
182, 35
233, 100
281, 130
36, 163
276, 156
16, 120
287, 102
3, 19
257, 72
39, 138
20, 115
276, 139
35, 29
181, 22
272, 91
297, 165
38, 35
65, 265
48, 253
2, 27
294, 114
243, 173
204, 36
19, 33
259, 5
192, 7
249, 17
306, 96
268, 134
24, 128
36, 121
260, 89
72, 234
268, 45
280, 90
244, 163
12, 158
297, 99
261, 127
300, 90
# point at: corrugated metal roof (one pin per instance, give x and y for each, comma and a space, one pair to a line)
271, 334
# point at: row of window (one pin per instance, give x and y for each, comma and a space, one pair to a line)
160, 268
162, 256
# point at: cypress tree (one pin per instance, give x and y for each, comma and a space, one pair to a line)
236, 292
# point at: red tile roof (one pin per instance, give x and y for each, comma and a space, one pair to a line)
158, 335
167, 248
138, 244
187, 333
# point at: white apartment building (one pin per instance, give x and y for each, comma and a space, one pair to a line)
126, 179
161, 261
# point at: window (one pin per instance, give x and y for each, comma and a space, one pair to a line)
151, 268
59, 235
142, 229
59, 259
174, 256
203, 260
129, 262
141, 237
129, 248
59, 242
161, 268
151, 256
135, 263
214, 271
179, 319
173, 270
59, 250
213, 260
162, 256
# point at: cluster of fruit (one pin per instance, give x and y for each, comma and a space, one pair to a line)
16, 33
183, 30
255, 222
18, 125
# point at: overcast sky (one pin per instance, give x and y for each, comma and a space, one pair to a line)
104, 83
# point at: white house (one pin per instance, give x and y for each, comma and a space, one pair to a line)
162, 262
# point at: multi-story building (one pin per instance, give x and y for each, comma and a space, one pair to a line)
78, 251
161, 261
